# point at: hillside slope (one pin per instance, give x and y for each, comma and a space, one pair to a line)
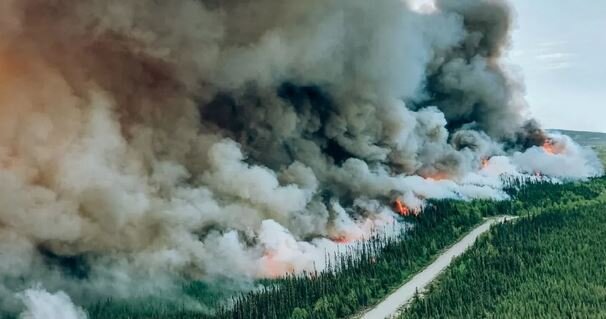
550, 265
595, 140
591, 139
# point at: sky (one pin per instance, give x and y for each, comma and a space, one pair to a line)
559, 48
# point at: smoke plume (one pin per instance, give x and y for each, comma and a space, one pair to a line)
143, 143
44, 305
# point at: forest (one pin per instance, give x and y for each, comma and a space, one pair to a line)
351, 281
547, 265
358, 278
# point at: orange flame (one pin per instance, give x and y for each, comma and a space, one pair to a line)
342, 240
437, 176
485, 162
274, 268
400, 208
550, 147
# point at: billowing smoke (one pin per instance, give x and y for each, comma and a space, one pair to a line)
180, 140
41, 304
559, 157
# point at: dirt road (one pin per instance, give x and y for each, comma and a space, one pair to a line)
402, 296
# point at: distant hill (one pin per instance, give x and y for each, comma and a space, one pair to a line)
595, 140
591, 139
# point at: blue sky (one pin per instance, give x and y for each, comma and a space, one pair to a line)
559, 47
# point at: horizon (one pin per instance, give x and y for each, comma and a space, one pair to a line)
561, 64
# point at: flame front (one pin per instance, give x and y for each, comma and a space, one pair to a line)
273, 267
550, 147
343, 240
438, 176
401, 208
485, 163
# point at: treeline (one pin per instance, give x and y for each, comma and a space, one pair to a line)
359, 277
548, 265
540, 194
353, 280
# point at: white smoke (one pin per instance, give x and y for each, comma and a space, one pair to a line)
242, 139
562, 158
41, 304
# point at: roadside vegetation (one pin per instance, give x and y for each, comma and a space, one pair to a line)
355, 281
351, 282
594, 140
549, 264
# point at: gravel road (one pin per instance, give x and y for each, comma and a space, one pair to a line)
401, 297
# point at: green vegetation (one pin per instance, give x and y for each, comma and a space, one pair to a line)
351, 282
356, 281
601, 151
549, 264
589, 139
594, 140
536, 197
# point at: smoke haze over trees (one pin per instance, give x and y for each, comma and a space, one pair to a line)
179, 140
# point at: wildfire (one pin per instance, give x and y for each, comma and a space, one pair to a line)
273, 267
485, 162
437, 176
342, 240
400, 208
550, 147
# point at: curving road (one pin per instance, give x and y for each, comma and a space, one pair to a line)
391, 305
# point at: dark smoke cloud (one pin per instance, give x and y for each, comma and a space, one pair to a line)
180, 140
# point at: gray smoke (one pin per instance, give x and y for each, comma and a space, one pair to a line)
179, 140
41, 304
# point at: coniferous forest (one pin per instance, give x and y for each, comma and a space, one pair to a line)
548, 265
355, 281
